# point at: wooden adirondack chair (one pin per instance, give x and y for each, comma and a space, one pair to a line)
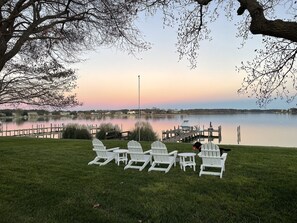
102, 153
162, 157
137, 156
212, 159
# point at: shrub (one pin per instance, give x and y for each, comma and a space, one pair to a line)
146, 132
108, 130
74, 131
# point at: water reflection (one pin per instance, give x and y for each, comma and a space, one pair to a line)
256, 129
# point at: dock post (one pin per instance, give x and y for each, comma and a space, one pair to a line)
238, 135
220, 133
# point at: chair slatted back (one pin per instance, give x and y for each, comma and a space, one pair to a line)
99, 148
135, 150
160, 152
210, 154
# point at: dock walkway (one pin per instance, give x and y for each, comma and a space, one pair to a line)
56, 132
177, 135
52, 131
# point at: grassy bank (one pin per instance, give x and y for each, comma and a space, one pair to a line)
44, 180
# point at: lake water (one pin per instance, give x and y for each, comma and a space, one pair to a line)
256, 129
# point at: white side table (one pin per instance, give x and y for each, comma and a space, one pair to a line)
187, 159
121, 156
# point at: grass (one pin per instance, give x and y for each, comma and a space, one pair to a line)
47, 180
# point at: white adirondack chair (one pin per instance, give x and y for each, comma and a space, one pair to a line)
162, 157
137, 156
212, 159
102, 153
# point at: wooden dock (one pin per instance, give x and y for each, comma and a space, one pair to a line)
40, 131
56, 132
177, 135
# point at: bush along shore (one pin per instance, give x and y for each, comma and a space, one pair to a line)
47, 180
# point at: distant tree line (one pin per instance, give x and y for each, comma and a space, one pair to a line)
41, 112
235, 111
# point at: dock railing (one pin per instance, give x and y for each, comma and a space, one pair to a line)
194, 134
41, 131
56, 132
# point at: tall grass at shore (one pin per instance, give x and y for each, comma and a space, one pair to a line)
48, 180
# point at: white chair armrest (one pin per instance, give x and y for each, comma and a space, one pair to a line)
136, 153
224, 155
199, 154
149, 151
159, 154
111, 149
173, 152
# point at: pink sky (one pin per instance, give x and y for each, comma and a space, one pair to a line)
108, 79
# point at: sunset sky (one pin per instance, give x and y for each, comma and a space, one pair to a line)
108, 79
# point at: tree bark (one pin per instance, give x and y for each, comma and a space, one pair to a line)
203, 2
261, 25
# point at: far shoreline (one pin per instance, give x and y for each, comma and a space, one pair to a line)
27, 113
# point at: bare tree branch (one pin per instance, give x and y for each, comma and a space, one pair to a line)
261, 25
58, 30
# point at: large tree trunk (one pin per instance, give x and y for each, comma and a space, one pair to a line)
261, 25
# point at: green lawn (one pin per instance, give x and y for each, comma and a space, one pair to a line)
48, 180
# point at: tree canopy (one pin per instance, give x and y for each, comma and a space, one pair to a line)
271, 74
39, 39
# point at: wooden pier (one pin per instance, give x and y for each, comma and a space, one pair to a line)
56, 132
177, 135
52, 131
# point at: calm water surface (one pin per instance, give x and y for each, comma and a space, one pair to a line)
256, 129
